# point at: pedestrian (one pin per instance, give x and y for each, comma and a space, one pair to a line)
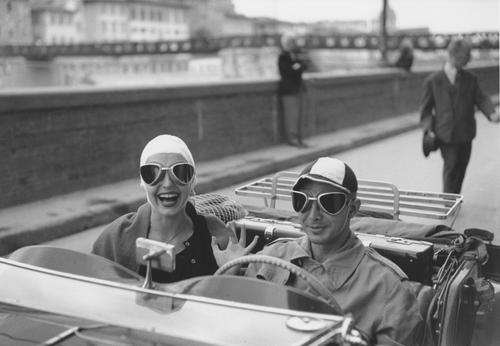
168, 177
447, 112
373, 289
406, 56
291, 89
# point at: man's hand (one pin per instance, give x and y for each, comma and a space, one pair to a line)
235, 248
430, 133
495, 117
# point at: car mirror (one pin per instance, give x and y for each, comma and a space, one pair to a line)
155, 254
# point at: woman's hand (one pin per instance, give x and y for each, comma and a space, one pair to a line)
235, 248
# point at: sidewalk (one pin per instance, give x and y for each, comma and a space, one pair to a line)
59, 216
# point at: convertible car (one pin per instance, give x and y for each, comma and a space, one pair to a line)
55, 296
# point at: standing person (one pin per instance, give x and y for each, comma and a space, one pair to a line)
447, 112
373, 289
291, 89
168, 177
405, 59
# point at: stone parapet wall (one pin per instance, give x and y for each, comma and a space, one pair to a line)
62, 140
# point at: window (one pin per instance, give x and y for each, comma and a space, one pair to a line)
132, 13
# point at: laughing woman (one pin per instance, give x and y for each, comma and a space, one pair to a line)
168, 176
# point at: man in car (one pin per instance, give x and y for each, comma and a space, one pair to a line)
373, 289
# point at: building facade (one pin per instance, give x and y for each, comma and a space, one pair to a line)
101, 21
136, 20
15, 22
57, 22
390, 23
205, 18
271, 26
237, 25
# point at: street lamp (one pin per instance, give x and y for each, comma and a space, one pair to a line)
383, 32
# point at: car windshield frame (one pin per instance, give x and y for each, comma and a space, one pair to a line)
168, 294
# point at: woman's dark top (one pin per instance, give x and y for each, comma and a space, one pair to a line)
117, 243
196, 259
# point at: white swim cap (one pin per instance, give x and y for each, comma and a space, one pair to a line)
166, 144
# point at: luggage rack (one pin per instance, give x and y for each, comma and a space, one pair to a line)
375, 196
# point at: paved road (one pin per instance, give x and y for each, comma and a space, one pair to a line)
399, 160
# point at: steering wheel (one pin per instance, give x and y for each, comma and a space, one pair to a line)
311, 280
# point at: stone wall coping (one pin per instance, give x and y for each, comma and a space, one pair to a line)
17, 100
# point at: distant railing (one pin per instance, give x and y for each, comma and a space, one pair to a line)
480, 40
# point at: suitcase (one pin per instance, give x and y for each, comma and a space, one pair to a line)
414, 257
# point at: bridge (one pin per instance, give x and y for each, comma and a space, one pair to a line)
480, 40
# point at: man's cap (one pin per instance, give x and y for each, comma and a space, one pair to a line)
331, 171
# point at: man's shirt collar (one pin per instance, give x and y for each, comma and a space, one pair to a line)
340, 265
451, 72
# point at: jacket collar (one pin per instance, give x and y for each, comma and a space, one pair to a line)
340, 266
140, 224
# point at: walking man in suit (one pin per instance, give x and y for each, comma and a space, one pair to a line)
447, 112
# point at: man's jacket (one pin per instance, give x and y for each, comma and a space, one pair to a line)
290, 69
449, 109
